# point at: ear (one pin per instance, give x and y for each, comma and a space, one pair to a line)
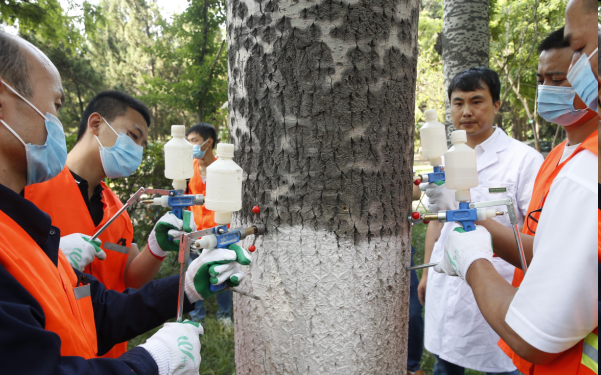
94, 122
210, 143
497, 106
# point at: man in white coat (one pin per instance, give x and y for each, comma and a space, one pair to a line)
456, 332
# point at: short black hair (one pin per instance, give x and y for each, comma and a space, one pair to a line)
205, 130
110, 105
471, 79
555, 40
14, 67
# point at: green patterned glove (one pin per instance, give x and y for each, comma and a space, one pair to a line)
215, 266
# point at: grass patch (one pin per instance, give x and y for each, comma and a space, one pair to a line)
217, 343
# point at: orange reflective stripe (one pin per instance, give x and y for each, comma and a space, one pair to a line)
52, 286
61, 198
570, 362
544, 180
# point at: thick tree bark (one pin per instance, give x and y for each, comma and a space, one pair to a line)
465, 42
321, 100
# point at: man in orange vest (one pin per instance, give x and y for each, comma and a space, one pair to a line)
550, 324
204, 138
53, 318
112, 134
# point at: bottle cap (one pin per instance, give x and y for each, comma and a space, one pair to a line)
458, 136
225, 150
178, 131
430, 115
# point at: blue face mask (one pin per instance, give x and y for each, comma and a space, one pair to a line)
584, 82
197, 151
48, 160
123, 158
556, 105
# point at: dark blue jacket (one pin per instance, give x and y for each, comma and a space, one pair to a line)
26, 348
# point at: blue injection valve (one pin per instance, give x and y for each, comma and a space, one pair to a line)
437, 175
221, 237
470, 212
174, 199
465, 215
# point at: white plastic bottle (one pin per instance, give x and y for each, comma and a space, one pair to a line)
460, 167
224, 185
179, 163
434, 138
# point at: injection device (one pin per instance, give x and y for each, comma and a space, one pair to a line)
434, 145
462, 175
223, 196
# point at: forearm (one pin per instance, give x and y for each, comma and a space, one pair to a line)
122, 316
494, 295
27, 348
142, 268
504, 245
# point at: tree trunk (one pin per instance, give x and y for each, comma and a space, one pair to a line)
465, 42
321, 104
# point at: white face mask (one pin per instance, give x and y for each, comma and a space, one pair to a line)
48, 160
584, 82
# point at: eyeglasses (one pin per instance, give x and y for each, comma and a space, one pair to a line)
530, 216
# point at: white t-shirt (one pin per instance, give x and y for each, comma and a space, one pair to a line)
556, 305
567, 152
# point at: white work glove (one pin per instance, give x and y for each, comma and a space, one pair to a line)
80, 251
176, 348
215, 266
439, 197
464, 248
165, 234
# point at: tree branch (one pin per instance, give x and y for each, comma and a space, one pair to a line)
208, 85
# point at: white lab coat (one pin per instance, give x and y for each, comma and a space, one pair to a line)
455, 329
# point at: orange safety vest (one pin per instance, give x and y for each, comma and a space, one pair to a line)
576, 360
202, 217
61, 198
53, 288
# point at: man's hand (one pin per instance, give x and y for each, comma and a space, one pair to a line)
463, 248
165, 234
80, 251
176, 348
439, 197
421, 289
215, 266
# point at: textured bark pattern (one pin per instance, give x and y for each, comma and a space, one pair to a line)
465, 42
321, 100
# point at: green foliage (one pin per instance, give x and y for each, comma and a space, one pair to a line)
127, 45
516, 26
199, 57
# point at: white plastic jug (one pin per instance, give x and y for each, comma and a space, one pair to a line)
460, 167
224, 185
179, 162
434, 138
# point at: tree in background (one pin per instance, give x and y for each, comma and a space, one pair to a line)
321, 105
515, 29
464, 42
